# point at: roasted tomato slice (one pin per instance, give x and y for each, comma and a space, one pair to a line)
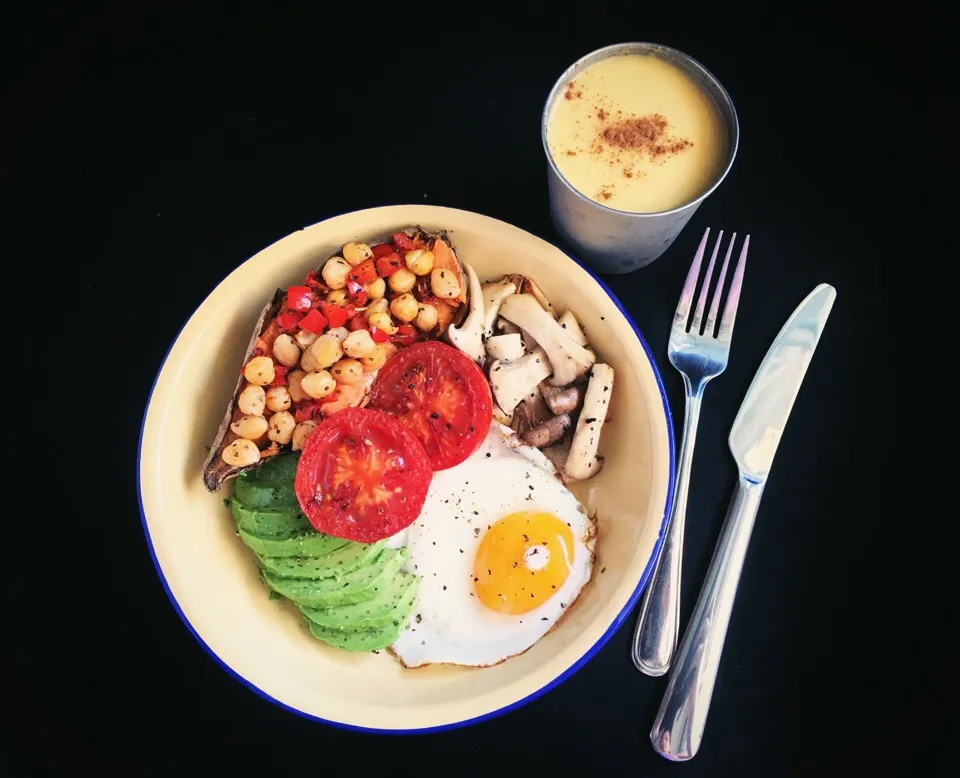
362, 476
440, 395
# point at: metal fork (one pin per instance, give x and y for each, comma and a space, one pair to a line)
698, 357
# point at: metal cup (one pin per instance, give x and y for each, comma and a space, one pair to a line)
616, 241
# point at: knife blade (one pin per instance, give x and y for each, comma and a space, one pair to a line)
763, 414
679, 724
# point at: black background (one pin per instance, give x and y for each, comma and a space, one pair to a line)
154, 149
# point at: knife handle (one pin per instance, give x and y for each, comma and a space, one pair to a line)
678, 727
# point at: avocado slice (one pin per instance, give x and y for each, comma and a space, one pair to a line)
311, 543
362, 584
277, 523
393, 603
371, 639
270, 485
336, 564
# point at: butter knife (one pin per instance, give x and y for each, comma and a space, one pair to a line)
678, 727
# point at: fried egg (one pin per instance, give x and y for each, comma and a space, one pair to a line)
503, 549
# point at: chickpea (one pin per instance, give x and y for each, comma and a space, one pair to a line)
305, 338
358, 344
323, 353
241, 453
377, 306
278, 398
383, 322
419, 261
293, 386
285, 350
335, 272
375, 359
402, 281
376, 289
338, 296
404, 307
347, 371
444, 284
259, 371
318, 384
340, 333
302, 433
282, 425
250, 427
427, 316
252, 400
355, 252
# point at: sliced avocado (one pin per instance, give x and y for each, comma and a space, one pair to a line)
394, 602
362, 584
310, 543
279, 523
270, 485
254, 495
336, 564
372, 639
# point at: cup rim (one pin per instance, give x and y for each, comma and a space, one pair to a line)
653, 48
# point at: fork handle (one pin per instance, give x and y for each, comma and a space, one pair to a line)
655, 638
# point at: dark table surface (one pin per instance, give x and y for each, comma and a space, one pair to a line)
156, 150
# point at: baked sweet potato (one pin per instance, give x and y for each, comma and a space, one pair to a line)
317, 347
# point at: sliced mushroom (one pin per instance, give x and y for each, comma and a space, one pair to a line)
547, 433
583, 461
568, 359
506, 348
562, 400
468, 336
530, 413
569, 322
504, 418
512, 381
493, 296
507, 327
558, 453
530, 287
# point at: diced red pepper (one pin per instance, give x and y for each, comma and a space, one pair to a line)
289, 321
306, 410
299, 298
381, 250
314, 281
356, 322
406, 335
402, 242
336, 315
314, 322
389, 264
279, 375
364, 273
358, 295
378, 335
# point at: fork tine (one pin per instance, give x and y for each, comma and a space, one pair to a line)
730, 310
690, 285
705, 289
715, 305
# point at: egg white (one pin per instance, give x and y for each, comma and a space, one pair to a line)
449, 624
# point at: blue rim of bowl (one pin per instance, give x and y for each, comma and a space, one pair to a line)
566, 674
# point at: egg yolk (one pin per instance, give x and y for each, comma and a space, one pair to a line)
522, 561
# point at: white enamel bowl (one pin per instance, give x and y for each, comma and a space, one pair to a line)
211, 578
